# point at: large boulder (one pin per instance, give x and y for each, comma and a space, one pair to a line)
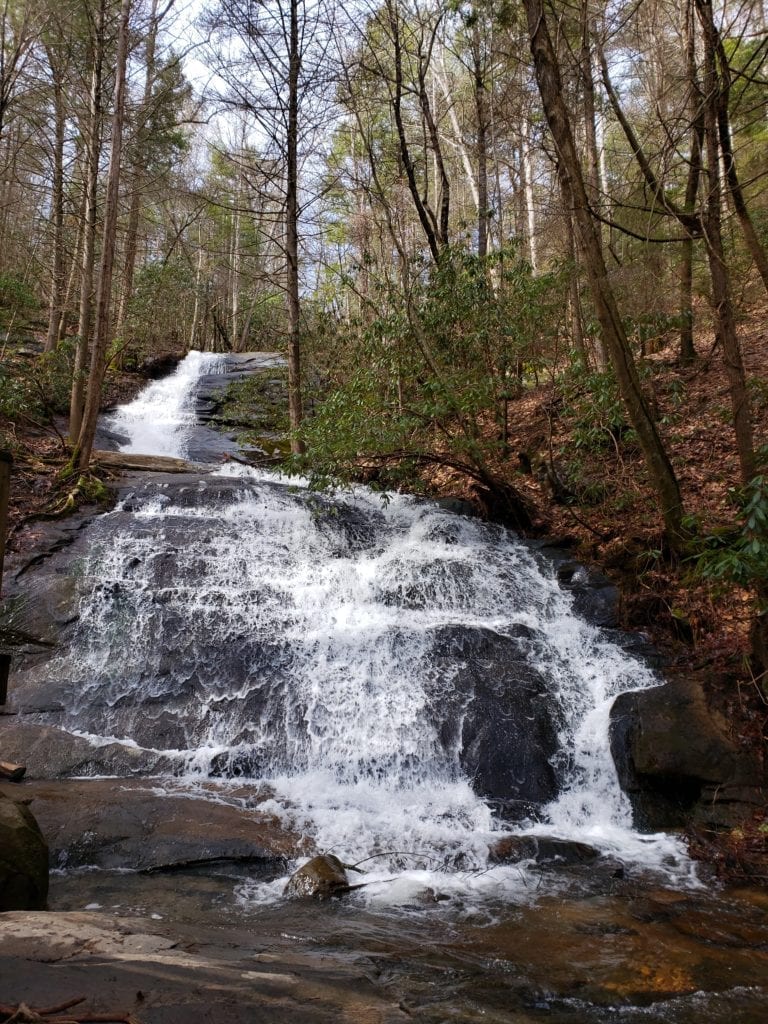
496, 709
678, 760
115, 824
23, 858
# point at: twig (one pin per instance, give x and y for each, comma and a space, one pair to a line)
61, 1006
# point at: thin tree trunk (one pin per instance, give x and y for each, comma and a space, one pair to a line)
90, 185
718, 267
295, 413
754, 245
426, 216
137, 175
574, 296
526, 173
102, 321
469, 170
72, 276
588, 95
198, 284
687, 348
56, 302
569, 168
481, 111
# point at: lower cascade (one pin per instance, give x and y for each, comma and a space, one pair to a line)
404, 683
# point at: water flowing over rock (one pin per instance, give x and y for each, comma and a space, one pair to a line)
320, 877
403, 677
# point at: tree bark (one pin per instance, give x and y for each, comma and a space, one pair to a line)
687, 348
735, 191
137, 175
102, 323
569, 169
426, 216
56, 301
718, 268
481, 112
90, 187
295, 412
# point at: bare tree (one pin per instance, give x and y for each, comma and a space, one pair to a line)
272, 56
569, 169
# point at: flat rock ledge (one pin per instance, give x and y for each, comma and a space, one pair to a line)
135, 966
154, 825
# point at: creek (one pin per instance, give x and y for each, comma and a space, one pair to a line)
410, 689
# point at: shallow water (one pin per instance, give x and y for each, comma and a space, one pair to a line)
638, 954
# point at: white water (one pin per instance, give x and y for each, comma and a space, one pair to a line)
338, 696
159, 420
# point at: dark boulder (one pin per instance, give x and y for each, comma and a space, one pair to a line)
23, 858
595, 598
678, 760
543, 850
496, 709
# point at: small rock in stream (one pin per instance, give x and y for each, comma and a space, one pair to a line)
321, 877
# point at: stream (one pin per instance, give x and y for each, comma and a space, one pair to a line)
409, 689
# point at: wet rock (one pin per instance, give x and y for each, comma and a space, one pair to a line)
50, 752
119, 823
23, 858
595, 598
157, 971
543, 850
497, 711
678, 761
321, 877
458, 506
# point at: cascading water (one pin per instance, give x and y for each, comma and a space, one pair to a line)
394, 672
159, 420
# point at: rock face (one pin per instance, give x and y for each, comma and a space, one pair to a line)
595, 598
502, 715
143, 826
678, 761
23, 859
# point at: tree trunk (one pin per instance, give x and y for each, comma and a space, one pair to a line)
90, 187
588, 95
718, 267
137, 175
687, 348
82, 454
56, 302
569, 169
481, 111
292, 234
722, 83
426, 216
526, 174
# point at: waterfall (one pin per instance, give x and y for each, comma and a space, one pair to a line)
159, 420
345, 651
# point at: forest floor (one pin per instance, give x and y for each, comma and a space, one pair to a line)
594, 498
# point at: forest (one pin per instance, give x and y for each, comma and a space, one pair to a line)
512, 252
